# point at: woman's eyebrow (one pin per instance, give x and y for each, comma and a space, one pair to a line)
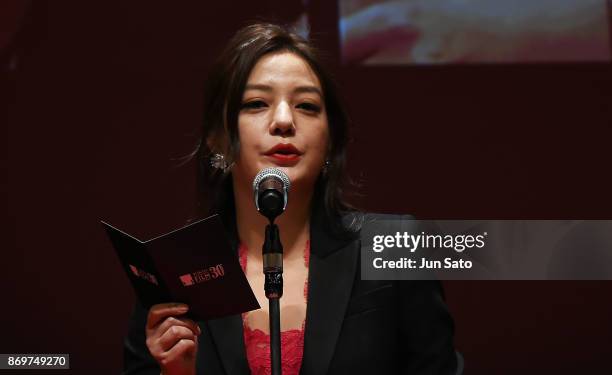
313, 89
257, 86
297, 90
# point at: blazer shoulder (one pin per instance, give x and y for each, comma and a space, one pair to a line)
374, 216
371, 221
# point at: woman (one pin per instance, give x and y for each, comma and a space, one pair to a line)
270, 104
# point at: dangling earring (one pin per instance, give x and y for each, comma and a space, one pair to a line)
218, 161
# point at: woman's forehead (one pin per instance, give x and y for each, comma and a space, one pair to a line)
282, 69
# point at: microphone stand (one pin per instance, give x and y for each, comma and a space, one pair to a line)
271, 186
272, 252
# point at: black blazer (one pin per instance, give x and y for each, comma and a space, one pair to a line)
353, 326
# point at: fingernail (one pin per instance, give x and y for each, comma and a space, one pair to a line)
199, 330
183, 308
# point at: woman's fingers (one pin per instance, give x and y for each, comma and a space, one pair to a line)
174, 335
182, 354
176, 321
172, 340
160, 311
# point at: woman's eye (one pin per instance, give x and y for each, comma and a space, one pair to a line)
254, 104
310, 107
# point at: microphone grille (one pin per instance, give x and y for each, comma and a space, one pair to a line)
271, 172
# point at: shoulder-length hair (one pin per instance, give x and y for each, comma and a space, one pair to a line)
222, 102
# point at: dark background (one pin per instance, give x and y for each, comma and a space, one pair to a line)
100, 100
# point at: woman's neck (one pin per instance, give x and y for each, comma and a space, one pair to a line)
293, 224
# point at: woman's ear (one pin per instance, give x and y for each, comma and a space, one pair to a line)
217, 143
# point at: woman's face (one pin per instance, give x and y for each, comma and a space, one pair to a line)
282, 121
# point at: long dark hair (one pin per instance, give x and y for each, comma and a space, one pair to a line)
222, 101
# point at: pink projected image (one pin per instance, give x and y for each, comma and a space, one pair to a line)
474, 31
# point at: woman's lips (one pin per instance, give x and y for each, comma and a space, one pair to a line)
284, 154
284, 159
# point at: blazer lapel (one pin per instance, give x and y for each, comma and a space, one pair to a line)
332, 268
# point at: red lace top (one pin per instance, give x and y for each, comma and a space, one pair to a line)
257, 342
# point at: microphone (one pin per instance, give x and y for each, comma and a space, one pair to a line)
271, 190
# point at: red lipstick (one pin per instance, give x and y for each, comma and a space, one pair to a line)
284, 154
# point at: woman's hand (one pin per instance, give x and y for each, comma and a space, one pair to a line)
172, 341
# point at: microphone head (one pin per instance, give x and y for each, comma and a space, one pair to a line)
271, 189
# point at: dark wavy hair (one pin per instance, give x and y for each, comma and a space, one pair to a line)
222, 103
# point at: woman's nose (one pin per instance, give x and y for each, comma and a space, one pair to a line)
282, 123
